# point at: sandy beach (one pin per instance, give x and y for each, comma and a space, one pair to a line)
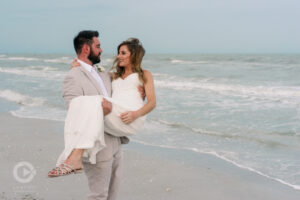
150, 173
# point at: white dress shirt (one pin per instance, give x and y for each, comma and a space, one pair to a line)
95, 74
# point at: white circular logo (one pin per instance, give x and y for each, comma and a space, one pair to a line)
24, 172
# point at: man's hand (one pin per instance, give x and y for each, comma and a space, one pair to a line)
142, 92
107, 107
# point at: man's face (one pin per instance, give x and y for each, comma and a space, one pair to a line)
95, 51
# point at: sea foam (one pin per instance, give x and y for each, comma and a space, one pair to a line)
61, 60
19, 58
35, 71
285, 94
21, 99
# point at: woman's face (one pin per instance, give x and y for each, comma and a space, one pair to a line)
124, 56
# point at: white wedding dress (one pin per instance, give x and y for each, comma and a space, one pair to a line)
85, 124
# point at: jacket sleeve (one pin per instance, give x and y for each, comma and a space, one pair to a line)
71, 89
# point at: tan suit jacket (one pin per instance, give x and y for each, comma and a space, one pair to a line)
79, 82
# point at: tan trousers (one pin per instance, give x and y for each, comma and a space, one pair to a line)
104, 177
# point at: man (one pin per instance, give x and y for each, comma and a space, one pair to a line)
103, 177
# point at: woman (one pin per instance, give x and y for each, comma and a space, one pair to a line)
127, 116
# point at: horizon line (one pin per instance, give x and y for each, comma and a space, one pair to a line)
160, 53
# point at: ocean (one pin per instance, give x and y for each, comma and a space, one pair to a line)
244, 109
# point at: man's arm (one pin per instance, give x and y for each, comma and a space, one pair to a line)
106, 106
71, 89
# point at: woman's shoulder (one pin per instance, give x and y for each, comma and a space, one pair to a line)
147, 73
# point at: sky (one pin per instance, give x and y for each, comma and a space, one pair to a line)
163, 26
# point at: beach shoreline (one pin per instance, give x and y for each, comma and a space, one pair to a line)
150, 172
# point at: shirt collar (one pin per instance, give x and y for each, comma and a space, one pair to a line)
85, 65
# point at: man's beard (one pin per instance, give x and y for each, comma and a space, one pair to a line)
94, 58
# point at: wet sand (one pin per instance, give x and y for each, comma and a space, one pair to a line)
150, 173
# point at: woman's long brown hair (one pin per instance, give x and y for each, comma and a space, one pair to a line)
137, 53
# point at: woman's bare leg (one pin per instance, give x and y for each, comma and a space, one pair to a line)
73, 163
75, 158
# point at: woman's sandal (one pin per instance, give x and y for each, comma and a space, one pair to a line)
62, 170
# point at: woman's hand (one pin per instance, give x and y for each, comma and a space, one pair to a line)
128, 117
75, 63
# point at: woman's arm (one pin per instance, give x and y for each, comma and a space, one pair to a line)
75, 63
130, 116
150, 95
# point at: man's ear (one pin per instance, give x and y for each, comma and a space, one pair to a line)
86, 49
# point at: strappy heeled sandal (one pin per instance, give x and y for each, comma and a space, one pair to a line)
63, 170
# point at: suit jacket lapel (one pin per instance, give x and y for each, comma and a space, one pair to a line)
94, 82
105, 81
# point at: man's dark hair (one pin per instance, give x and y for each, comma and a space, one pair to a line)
84, 37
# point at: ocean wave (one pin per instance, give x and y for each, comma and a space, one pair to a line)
61, 60
236, 163
162, 76
21, 99
241, 63
183, 126
226, 156
280, 93
42, 68
176, 61
234, 136
45, 112
35, 71
173, 79
19, 58
33, 107
69, 60
218, 63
